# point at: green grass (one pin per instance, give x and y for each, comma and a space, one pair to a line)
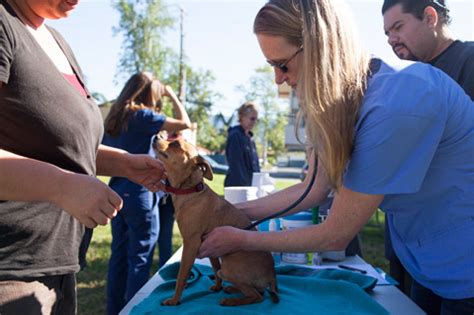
92, 281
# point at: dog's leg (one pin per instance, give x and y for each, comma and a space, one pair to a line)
230, 289
216, 266
190, 250
251, 295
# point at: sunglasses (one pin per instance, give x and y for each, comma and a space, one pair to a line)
282, 65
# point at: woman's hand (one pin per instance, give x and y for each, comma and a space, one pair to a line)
86, 198
146, 171
139, 168
222, 240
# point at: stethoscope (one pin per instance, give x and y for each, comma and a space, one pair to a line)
294, 204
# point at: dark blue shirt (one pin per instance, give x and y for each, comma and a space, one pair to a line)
241, 154
142, 126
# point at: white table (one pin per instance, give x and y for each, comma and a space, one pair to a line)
392, 299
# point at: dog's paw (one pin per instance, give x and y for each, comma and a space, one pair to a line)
170, 302
215, 288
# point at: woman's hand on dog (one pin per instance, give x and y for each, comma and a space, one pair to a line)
87, 199
220, 241
146, 171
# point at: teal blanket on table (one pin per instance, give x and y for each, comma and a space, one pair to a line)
301, 291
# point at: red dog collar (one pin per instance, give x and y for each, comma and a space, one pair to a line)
178, 191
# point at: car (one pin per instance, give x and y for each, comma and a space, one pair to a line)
216, 167
304, 171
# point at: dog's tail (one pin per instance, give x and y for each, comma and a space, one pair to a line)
273, 291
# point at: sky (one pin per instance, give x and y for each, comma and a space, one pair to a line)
217, 36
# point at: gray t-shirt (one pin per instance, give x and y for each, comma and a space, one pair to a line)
43, 117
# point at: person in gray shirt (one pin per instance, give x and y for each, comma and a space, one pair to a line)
50, 152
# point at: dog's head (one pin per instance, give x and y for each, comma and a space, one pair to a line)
181, 160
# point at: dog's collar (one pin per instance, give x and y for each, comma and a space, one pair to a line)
178, 191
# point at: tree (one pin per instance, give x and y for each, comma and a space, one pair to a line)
200, 99
100, 99
142, 24
203, 98
271, 127
221, 126
220, 119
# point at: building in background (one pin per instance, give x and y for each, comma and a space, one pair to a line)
291, 142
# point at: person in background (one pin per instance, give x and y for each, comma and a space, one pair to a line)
50, 152
165, 235
419, 30
133, 120
240, 149
357, 109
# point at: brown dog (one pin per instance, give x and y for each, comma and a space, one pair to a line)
198, 210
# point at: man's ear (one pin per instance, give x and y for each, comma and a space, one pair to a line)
205, 167
430, 15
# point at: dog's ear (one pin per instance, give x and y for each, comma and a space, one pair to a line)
205, 167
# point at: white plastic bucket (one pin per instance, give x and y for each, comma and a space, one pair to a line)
264, 183
240, 194
291, 222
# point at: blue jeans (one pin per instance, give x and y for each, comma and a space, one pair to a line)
434, 304
165, 238
134, 235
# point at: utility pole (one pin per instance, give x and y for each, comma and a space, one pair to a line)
182, 71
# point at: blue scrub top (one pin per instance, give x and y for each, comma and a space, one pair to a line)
142, 126
415, 144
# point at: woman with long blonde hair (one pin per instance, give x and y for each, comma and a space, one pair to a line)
399, 138
135, 117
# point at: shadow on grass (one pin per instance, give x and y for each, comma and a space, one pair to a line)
372, 236
92, 280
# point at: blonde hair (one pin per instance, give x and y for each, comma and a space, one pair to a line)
246, 108
332, 78
140, 91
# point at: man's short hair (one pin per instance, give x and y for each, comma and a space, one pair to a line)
417, 7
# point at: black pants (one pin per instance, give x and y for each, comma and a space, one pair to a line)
165, 238
434, 304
